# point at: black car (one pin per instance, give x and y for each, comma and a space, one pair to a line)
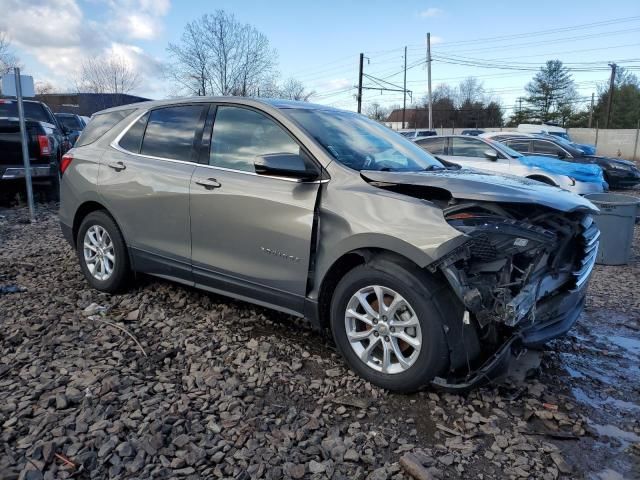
618, 173
73, 125
47, 143
474, 132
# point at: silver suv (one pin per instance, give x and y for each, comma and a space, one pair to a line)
422, 273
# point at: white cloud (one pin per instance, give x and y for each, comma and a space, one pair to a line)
436, 40
430, 12
58, 35
138, 19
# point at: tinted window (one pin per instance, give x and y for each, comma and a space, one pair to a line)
99, 125
546, 148
426, 133
468, 147
171, 132
519, 145
132, 140
32, 111
240, 135
70, 123
433, 145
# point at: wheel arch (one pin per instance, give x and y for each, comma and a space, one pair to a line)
85, 209
346, 262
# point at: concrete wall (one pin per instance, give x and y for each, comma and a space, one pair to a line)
622, 143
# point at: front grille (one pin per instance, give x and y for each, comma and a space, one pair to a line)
588, 243
482, 248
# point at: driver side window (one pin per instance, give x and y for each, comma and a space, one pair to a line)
546, 148
241, 135
468, 147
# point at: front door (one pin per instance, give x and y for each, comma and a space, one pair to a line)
251, 234
469, 152
145, 183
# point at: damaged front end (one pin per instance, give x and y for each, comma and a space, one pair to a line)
521, 277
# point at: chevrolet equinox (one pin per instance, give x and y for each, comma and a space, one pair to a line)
424, 274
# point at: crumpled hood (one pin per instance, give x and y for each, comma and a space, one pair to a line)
475, 185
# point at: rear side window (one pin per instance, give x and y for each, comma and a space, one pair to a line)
132, 139
71, 123
171, 132
240, 135
99, 125
433, 145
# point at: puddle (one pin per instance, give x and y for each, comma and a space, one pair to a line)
624, 437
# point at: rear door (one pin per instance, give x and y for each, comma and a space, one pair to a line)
144, 182
469, 152
251, 234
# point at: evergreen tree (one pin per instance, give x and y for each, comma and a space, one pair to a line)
551, 92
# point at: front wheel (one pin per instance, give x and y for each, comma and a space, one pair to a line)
388, 328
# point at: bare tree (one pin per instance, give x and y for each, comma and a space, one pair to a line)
376, 112
7, 59
107, 74
44, 88
470, 90
218, 55
293, 89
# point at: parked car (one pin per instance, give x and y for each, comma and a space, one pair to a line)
490, 156
73, 125
422, 274
558, 132
473, 132
618, 173
417, 133
46, 139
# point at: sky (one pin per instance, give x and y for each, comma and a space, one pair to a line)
319, 43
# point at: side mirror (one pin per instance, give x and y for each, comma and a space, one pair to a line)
562, 154
289, 165
491, 155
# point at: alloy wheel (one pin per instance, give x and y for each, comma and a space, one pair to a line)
383, 329
99, 252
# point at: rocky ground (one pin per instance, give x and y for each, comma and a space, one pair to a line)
166, 381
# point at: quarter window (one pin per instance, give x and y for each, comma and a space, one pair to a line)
241, 135
171, 132
132, 140
467, 147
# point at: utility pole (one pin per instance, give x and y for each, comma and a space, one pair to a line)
591, 111
360, 83
429, 80
610, 99
25, 146
404, 93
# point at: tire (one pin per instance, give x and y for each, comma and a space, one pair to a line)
112, 280
418, 290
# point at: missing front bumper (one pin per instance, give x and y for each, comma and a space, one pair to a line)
554, 318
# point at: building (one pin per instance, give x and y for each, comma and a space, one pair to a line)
412, 118
86, 103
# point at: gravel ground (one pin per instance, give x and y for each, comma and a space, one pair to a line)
166, 381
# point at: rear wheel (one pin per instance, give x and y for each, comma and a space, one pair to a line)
102, 253
388, 328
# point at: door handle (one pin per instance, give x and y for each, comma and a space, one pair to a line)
117, 166
208, 183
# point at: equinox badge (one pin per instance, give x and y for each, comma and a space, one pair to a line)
279, 254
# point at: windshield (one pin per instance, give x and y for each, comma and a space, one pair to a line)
362, 144
505, 149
